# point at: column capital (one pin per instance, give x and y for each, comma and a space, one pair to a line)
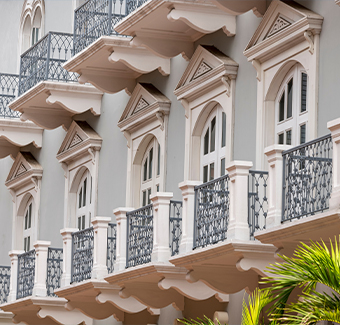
41, 245
188, 186
238, 167
120, 212
161, 198
101, 221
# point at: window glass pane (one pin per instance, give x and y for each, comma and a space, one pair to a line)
290, 99
79, 223
83, 222
80, 197
26, 220
213, 132
145, 170
144, 198
29, 215
157, 188
282, 108
84, 196
212, 171
28, 243
222, 166
224, 117
205, 174
302, 133
289, 137
159, 160
150, 162
91, 192
303, 92
149, 193
25, 244
206, 142
281, 138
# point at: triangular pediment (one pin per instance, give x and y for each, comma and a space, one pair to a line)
23, 164
78, 133
205, 61
279, 18
144, 97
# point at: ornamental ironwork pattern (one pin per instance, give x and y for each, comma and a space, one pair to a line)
257, 201
175, 219
211, 212
54, 270
82, 254
307, 178
44, 60
111, 246
139, 236
8, 92
26, 272
5, 277
96, 18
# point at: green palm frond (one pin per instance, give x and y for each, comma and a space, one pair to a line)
311, 264
199, 321
257, 301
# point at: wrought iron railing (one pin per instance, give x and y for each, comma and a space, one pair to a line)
82, 254
111, 246
5, 277
54, 270
8, 92
139, 236
211, 212
307, 178
257, 200
26, 272
96, 18
175, 220
44, 60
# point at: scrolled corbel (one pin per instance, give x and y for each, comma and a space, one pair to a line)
256, 64
93, 157
310, 39
227, 83
160, 118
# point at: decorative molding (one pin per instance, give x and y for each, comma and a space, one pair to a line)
280, 24
256, 64
72, 147
158, 106
35, 181
127, 136
193, 84
185, 104
22, 169
310, 39
283, 26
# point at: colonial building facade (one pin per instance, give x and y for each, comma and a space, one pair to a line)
156, 155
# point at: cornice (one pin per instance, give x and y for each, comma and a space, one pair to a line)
23, 179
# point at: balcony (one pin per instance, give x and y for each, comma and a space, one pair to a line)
96, 18
5, 278
48, 94
8, 92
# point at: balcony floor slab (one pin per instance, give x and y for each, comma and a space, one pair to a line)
51, 104
111, 64
15, 134
44, 311
287, 236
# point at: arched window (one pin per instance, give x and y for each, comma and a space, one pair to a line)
36, 27
84, 201
291, 111
151, 170
27, 226
213, 143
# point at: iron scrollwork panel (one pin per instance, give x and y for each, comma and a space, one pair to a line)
82, 254
211, 212
9, 84
175, 220
26, 272
5, 277
111, 246
54, 270
307, 178
257, 201
139, 236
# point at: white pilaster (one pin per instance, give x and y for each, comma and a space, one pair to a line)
161, 238
238, 227
14, 274
188, 217
121, 221
100, 225
275, 183
334, 127
67, 255
41, 252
